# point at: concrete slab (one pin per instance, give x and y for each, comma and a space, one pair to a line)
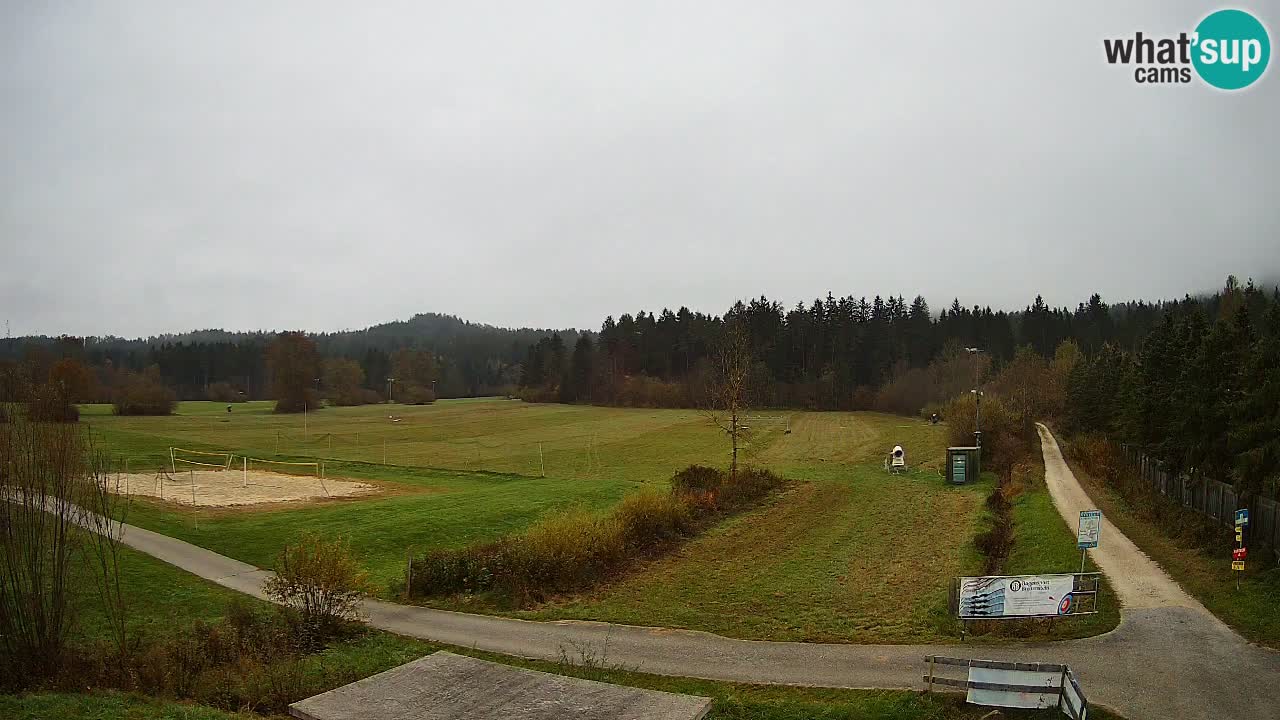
445, 686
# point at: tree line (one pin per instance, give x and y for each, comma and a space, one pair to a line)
469, 359
1200, 394
832, 354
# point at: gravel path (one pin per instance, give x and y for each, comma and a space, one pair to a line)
1169, 658
1135, 577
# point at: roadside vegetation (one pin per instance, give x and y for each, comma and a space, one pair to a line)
1193, 550
836, 556
153, 588
575, 550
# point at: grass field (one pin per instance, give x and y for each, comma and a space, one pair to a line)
344, 662
848, 553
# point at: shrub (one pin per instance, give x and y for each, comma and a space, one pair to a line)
540, 394
322, 582
645, 391
414, 394
575, 549
224, 392
751, 485
650, 518
698, 478
251, 660
49, 404
143, 394
356, 396
1004, 441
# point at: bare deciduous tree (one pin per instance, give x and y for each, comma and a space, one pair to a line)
40, 466
52, 490
727, 393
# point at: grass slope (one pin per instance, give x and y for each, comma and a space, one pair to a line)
379, 651
848, 554
865, 558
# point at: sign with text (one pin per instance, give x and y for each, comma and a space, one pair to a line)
1016, 596
1242, 517
1090, 531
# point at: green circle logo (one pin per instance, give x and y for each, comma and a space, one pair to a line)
1232, 49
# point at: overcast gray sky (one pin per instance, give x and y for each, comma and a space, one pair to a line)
167, 166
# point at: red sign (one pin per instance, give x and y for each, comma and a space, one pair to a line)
1239, 553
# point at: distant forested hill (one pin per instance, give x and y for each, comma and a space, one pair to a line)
473, 358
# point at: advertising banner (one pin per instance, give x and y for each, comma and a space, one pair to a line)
1014, 596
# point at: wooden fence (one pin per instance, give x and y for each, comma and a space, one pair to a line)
1213, 499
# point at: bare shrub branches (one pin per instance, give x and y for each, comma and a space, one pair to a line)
321, 580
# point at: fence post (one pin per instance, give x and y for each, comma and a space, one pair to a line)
408, 572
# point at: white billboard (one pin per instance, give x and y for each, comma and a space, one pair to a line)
1015, 596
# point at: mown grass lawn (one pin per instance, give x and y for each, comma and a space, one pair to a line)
489, 434
867, 557
848, 553
376, 651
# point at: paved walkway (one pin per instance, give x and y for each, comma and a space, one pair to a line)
1170, 658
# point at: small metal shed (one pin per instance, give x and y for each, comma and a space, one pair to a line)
964, 464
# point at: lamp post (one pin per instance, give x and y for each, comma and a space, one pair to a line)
390, 381
977, 398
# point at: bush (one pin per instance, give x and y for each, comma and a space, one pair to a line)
322, 582
698, 478
540, 394
1003, 440
1100, 458
224, 392
576, 549
751, 485
251, 660
355, 396
49, 404
650, 518
307, 400
414, 394
143, 394
645, 391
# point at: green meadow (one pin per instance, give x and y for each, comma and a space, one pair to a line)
848, 553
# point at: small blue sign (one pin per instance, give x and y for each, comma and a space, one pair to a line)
1242, 517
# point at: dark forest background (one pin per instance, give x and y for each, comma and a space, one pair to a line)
1193, 382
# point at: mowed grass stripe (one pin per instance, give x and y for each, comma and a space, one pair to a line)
867, 559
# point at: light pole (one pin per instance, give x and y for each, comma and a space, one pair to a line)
433, 389
977, 398
390, 380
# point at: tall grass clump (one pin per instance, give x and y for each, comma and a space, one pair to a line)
576, 549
